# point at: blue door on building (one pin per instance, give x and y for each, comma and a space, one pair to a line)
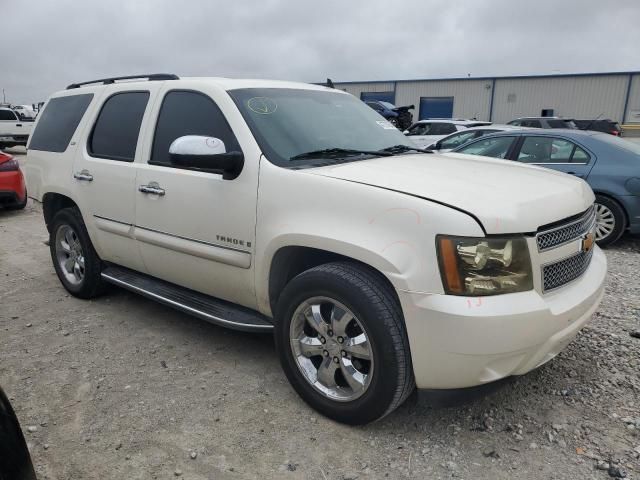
381, 96
436, 107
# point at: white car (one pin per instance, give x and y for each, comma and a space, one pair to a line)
425, 132
293, 208
13, 131
456, 139
24, 111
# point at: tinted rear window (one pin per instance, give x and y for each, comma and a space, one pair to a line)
115, 134
561, 124
58, 122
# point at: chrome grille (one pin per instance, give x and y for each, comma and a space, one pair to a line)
556, 274
566, 233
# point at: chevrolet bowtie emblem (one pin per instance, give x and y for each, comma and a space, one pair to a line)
587, 242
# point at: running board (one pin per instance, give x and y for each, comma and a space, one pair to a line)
219, 312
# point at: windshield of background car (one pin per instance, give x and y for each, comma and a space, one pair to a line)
287, 122
420, 129
390, 106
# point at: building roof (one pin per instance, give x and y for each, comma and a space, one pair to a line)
507, 77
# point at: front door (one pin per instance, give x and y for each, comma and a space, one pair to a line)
196, 229
104, 173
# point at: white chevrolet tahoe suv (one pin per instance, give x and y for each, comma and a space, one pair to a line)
264, 205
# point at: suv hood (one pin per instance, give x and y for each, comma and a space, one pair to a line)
505, 196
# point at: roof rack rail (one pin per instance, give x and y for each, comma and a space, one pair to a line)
110, 80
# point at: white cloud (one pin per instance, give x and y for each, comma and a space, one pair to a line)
47, 45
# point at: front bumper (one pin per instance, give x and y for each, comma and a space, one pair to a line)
459, 342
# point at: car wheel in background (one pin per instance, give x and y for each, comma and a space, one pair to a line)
610, 220
74, 258
342, 342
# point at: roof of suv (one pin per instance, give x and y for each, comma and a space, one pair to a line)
222, 82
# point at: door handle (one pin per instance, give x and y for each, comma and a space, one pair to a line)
153, 189
84, 175
18, 125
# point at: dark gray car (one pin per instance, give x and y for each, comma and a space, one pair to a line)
544, 122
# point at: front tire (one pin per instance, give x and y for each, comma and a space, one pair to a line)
610, 220
74, 258
342, 342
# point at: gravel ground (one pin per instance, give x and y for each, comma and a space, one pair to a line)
121, 387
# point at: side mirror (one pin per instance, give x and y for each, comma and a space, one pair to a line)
208, 154
434, 146
406, 132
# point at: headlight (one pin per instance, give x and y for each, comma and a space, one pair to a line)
484, 266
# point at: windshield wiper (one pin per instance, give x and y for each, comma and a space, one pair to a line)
339, 153
404, 148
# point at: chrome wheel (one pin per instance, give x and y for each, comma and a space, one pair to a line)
69, 254
605, 221
331, 349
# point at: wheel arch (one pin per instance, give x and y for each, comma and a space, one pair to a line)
617, 202
52, 203
290, 261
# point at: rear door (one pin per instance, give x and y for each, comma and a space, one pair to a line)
104, 171
557, 153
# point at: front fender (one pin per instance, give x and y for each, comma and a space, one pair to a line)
391, 232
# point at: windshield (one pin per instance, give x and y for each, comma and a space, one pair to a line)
289, 122
390, 106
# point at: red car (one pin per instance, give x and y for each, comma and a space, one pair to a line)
13, 192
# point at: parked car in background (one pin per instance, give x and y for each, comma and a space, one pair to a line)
13, 193
543, 122
13, 130
15, 460
400, 117
605, 126
457, 139
610, 165
25, 112
425, 132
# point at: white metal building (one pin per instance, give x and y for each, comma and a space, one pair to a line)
614, 96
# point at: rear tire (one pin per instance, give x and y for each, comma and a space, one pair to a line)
610, 220
373, 354
76, 262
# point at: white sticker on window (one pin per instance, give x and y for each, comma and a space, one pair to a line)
386, 125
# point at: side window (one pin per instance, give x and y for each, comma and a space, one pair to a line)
58, 122
458, 139
531, 123
548, 150
115, 133
7, 115
496, 147
515, 123
442, 129
189, 113
580, 156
